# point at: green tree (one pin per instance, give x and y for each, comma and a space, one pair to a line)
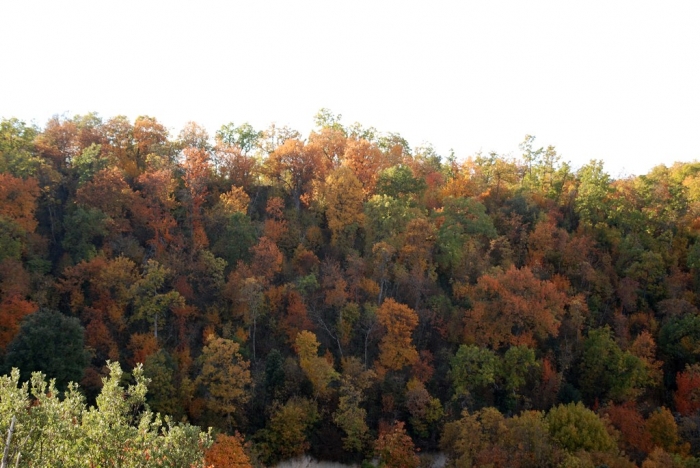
151, 303
399, 181
349, 416
160, 369
460, 219
592, 194
17, 155
607, 372
386, 218
287, 432
679, 339
575, 427
471, 369
51, 343
85, 230
518, 364
119, 431
244, 136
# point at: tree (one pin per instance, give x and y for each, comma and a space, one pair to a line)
286, 434
225, 377
150, 137
109, 192
460, 219
318, 369
634, 436
512, 308
396, 349
149, 302
194, 136
267, 259
349, 416
119, 431
343, 198
250, 295
575, 427
244, 136
12, 310
687, 395
86, 229
51, 343
399, 181
365, 160
160, 369
472, 369
157, 192
609, 373
679, 339
330, 142
425, 410
197, 177
18, 200
17, 156
592, 194
386, 218
663, 430
236, 167
227, 451
394, 448
528, 441
293, 165
517, 366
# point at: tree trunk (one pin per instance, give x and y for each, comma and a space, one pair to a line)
7, 444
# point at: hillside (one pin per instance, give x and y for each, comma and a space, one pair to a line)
347, 295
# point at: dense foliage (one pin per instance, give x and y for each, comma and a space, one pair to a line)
343, 295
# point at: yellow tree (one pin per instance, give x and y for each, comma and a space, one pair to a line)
293, 166
344, 205
318, 369
225, 377
396, 349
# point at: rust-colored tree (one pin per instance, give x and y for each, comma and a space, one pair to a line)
395, 449
293, 166
227, 451
365, 160
687, 396
396, 349
512, 308
197, 177
12, 310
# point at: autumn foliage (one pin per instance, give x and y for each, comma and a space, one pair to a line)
344, 294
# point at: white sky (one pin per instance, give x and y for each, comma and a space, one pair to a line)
612, 80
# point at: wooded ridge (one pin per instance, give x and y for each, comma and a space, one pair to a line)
344, 295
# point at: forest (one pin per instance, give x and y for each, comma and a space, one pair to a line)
242, 298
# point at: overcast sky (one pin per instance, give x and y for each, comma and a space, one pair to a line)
611, 80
